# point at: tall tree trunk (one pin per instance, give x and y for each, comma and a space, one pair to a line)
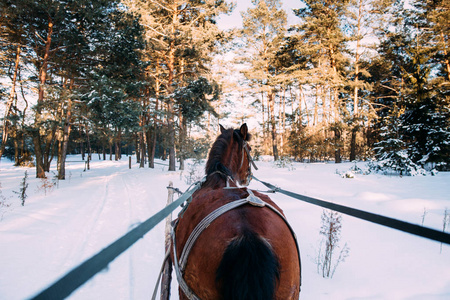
170, 113
40, 173
82, 145
65, 138
446, 60
182, 140
337, 153
22, 154
273, 125
353, 144
142, 149
17, 148
171, 135
138, 148
88, 142
145, 135
12, 94
283, 121
355, 124
337, 150
49, 143
151, 147
263, 111
116, 145
110, 149
316, 108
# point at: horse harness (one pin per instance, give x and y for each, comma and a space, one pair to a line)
251, 199
180, 264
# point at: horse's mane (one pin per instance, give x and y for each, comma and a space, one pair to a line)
218, 152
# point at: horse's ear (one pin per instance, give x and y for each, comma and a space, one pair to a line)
244, 131
222, 129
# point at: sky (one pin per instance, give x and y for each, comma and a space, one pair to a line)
235, 20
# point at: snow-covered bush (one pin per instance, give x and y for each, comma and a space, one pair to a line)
284, 162
397, 163
351, 173
348, 174
195, 171
355, 169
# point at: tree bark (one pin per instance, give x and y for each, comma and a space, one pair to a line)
273, 125
82, 145
65, 138
16, 148
142, 147
117, 141
88, 142
182, 140
49, 143
446, 61
171, 69
356, 88
10, 102
152, 149
353, 144
337, 150
151, 145
138, 150
40, 173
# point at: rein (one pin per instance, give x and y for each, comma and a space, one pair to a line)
250, 159
180, 264
252, 199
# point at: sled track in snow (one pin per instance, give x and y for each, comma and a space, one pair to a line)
79, 248
75, 278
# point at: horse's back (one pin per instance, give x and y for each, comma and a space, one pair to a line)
233, 232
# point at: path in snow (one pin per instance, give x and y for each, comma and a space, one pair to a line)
53, 233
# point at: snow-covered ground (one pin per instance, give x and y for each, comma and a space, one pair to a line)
60, 227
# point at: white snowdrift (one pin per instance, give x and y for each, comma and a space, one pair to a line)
59, 228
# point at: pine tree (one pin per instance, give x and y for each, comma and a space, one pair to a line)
392, 151
117, 83
432, 21
181, 37
193, 101
263, 31
409, 60
322, 43
66, 41
426, 120
361, 15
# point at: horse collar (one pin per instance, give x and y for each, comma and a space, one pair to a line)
181, 263
228, 177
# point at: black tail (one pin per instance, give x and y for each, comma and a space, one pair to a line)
249, 269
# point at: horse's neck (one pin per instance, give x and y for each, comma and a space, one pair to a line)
218, 180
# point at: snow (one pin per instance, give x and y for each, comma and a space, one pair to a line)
59, 228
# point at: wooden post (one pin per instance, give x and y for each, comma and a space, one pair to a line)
167, 272
129, 162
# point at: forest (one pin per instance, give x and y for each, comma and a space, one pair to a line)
350, 80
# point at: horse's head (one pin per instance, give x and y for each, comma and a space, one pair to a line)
229, 157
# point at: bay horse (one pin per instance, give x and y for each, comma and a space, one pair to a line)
231, 242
